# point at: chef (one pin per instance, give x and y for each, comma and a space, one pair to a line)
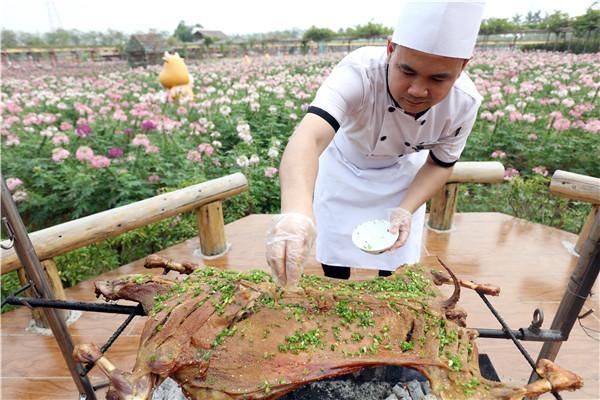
378, 141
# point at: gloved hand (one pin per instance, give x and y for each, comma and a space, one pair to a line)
400, 220
288, 242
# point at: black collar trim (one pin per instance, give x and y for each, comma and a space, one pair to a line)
387, 86
421, 113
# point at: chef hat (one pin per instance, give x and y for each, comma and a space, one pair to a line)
445, 28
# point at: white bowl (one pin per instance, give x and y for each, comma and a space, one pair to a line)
373, 236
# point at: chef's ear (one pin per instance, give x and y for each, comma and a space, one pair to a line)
390, 47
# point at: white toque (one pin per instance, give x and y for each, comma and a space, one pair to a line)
444, 28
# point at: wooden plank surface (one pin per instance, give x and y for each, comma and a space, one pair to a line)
529, 261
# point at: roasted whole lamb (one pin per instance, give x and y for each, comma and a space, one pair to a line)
227, 335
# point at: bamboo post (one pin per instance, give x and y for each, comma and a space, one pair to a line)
57, 290
443, 204
211, 230
587, 227
55, 284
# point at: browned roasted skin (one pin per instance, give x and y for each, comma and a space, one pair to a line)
227, 335
140, 288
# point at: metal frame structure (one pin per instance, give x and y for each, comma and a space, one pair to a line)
41, 287
579, 288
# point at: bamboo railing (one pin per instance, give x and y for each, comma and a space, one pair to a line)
582, 188
204, 198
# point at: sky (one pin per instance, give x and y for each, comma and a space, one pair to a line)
231, 16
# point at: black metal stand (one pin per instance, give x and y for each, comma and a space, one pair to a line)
579, 287
35, 272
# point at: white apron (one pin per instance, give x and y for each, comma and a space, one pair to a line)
353, 187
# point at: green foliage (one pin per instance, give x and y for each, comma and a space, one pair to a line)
495, 26
184, 32
369, 30
318, 34
63, 38
576, 46
533, 19
556, 22
8, 39
527, 198
587, 24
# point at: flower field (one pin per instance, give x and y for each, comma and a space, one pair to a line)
76, 143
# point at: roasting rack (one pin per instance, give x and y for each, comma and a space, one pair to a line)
577, 291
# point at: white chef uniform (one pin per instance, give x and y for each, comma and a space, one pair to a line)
375, 154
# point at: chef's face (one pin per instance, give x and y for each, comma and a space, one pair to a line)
420, 80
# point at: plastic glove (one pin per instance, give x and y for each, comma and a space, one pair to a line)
400, 220
288, 242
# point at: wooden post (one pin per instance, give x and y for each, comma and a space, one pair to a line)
587, 227
57, 290
443, 206
211, 229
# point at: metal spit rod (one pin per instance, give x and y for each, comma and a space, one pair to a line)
542, 335
35, 272
514, 339
114, 336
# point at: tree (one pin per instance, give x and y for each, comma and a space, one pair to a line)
369, 30
318, 34
556, 22
31, 40
533, 19
184, 32
588, 23
8, 39
59, 38
496, 26
115, 38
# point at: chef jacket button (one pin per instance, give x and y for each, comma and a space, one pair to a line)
383, 138
391, 108
400, 155
423, 122
407, 144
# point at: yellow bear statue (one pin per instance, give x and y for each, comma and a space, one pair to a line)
176, 79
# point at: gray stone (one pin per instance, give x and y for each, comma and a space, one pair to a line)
168, 390
414, 388
426, 386
401, 393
